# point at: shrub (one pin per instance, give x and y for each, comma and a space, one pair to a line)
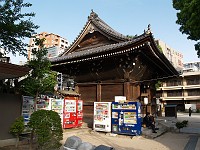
179, 125
182, 124
17, 128
185, 123
46, 125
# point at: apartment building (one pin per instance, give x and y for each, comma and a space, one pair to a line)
191, 66
54, 51
182, 90
51, 40
175, 57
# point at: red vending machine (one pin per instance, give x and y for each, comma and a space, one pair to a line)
69, 112
79, 113
72, 112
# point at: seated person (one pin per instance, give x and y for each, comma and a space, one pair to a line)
149, 121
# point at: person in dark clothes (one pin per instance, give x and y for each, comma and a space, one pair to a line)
149, 122
190, 111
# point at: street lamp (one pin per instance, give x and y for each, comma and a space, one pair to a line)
146, 102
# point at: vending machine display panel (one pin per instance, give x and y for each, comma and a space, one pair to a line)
102, 116
126, 118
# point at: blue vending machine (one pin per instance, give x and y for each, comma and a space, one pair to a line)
126, 118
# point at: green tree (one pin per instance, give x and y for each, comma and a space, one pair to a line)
17, 128
160, 48
46, 124
188, 18
158, 84
41, 78
182, 124
15, 26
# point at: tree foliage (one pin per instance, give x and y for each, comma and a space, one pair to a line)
15, 26
41, 78
158, 84
46, 124
188, 17
17, 128
182, 124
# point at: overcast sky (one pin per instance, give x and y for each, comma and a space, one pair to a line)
129, 17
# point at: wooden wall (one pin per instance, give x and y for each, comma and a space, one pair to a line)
91, 93
110, 91
97, 92
88, 93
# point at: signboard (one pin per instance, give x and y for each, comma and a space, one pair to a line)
120, 98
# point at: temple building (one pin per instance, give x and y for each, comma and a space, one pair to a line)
105, 63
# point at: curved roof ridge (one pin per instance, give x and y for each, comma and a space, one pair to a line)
76, 37
93, 17
105, 27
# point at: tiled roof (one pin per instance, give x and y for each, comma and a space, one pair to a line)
105, 27
10, 71
96, 50
99, 23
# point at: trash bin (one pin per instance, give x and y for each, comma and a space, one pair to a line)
72, 143
86, 146
170, 111
103, 147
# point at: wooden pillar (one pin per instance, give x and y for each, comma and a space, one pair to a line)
98, 92
127, 90
135, 92
77, 88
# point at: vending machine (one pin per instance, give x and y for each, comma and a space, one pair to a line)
57, 106
102, 116
69, 113
44, 103
79, 114
27, 108
126, 118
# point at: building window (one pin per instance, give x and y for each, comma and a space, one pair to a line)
193, 92
174, 93
158, 94
193, 81
174, 83
169, 55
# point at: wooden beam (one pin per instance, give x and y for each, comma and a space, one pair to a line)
127, 90
99, 92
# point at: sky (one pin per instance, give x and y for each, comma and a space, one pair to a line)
129, 17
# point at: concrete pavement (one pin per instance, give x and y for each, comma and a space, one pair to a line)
167, 138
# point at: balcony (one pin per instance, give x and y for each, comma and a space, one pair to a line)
171, 88
192, 98
177, 98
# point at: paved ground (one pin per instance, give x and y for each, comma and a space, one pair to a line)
169, 139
